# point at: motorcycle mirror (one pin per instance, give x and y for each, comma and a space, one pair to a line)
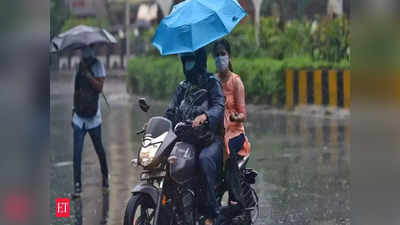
143, 105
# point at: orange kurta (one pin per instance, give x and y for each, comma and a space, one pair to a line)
234, 103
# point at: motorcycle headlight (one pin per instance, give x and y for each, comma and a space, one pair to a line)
147, 154
149, 149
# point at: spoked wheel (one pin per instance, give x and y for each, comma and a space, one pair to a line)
250, 215
140, 210
254, 213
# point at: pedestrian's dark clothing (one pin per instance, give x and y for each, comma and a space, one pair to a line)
79, 137
82, 125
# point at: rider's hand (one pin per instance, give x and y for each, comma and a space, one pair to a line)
199, 120
88, 74
234, 117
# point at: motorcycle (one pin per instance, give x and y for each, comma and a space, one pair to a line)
172, 192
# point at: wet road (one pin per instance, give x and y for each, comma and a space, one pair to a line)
303, 161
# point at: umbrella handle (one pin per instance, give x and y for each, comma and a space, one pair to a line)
105, 99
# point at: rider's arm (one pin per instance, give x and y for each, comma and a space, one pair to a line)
96, 82
96, 76
215, 112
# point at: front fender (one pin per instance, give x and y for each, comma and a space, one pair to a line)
147, 189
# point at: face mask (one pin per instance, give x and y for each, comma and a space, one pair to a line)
189, 65
191, 76
221, 63
189, 70
195, 66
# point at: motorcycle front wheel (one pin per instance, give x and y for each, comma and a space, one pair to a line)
140, 210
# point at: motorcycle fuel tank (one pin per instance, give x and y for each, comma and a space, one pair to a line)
182, 162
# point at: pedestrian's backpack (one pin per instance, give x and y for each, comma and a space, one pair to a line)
86, 98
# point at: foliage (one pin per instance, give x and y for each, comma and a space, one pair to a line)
297, 39
242, 40
332, 40
263, 77
58, 14
148, 35
90, 21
154, 76
271, 37
298, 63
298, 44
328, 41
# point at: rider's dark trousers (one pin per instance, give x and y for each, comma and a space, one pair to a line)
210, 160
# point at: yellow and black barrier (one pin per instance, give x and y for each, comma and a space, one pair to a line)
318, 87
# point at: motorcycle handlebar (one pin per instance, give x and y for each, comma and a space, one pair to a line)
187, 123
140, 131
190, 122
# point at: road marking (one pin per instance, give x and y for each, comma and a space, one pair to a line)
61, 164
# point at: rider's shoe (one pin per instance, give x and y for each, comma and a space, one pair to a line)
77, 191
76, 194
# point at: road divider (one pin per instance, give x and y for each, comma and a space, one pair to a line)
317, 87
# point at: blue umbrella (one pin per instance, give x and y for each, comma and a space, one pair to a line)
193, 24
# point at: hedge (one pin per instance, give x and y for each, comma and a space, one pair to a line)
263, 77
326, 40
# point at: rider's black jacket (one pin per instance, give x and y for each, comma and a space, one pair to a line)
204, 80
215, 110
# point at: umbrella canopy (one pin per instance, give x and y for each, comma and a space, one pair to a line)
81, 36
193, 24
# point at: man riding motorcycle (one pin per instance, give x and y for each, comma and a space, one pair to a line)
210, 155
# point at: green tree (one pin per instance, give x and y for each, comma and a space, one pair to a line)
59, 12
90, 21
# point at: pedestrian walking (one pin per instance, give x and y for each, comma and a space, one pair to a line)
86, 114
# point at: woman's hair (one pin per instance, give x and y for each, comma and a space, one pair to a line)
226, 46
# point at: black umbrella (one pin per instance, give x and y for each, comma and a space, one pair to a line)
79, 37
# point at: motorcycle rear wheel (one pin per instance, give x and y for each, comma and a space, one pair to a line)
256, 212
140, 210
